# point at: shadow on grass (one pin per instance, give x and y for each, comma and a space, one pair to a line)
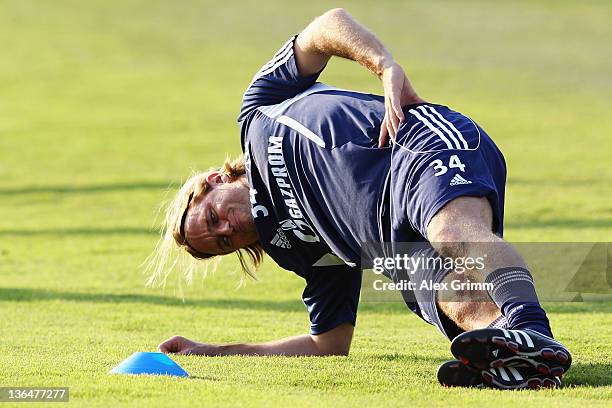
85, 189
581, 374
13, 294
81, 231
599, 306
204, 378
589, 374
570, 223
603, 305
408, 358
37, 295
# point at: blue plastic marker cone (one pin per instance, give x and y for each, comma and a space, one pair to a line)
149, 364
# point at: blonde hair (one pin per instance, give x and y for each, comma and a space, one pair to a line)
172, 248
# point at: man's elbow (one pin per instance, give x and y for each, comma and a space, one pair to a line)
338, 11
334, 14
341, 352
335, 342
337, 351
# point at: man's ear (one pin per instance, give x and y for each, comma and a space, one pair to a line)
216, 177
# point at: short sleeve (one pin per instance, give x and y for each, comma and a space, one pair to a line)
332, 296
277, 80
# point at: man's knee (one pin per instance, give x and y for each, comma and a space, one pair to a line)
460, 222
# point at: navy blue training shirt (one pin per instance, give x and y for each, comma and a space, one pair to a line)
320, 186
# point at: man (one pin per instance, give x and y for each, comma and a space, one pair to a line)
321, 191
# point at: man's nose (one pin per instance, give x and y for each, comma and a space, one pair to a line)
223, 227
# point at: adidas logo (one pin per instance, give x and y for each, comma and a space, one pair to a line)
280, 239
457, 180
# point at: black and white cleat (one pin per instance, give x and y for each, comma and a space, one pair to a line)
518, 378
500, 348
456, 374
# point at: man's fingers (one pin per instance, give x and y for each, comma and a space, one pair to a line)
172, 345
397, 108
389, 128
398, 114
382, 137
390, 131
165, 347
389, 118
394, 80
394, 122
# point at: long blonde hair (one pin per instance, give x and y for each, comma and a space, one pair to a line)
171, 251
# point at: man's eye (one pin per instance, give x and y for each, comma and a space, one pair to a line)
226, 242
213, 217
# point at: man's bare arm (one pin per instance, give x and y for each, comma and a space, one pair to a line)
336, 33
333, 342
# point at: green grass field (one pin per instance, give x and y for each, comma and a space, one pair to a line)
104, 104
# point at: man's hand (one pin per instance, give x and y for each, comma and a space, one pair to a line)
398, 92
181, 345
334, 342
336, 33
